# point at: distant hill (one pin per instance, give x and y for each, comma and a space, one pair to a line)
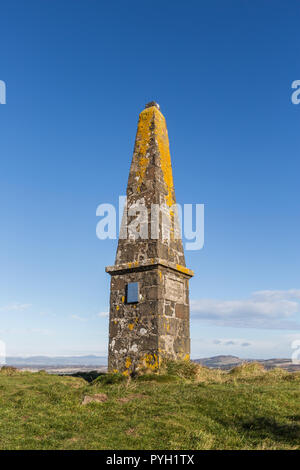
220, 361
58, 361
228, 362
100, 362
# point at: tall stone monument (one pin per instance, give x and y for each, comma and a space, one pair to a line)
149, 294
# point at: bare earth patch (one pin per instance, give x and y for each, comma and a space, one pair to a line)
130, 432
98, 397
131, 397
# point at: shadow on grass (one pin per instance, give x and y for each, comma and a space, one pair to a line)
270, 427
293, 417
87, 376
263, 428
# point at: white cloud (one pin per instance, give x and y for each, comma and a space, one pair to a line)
277, 294
77, 317
15, 306
26, 331
232, 342
102, 314
274, 309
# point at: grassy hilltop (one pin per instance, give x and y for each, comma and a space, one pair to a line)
186, 406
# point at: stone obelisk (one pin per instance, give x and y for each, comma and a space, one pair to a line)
149, 296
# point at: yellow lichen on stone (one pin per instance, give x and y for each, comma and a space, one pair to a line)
162, 139
146, 119
167, 325
184, 270
128, 362
172, 222
160, 357
142, 143
183, 356
151, 361
144, 131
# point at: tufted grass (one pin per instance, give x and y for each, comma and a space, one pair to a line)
181, 408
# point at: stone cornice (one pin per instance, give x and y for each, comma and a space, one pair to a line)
148, 264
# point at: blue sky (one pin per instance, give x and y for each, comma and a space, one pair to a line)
77, 76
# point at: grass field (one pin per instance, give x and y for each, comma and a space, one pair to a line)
186, 407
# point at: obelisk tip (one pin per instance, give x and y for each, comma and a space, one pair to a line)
152, 103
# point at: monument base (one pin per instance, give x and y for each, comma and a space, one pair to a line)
149, 315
